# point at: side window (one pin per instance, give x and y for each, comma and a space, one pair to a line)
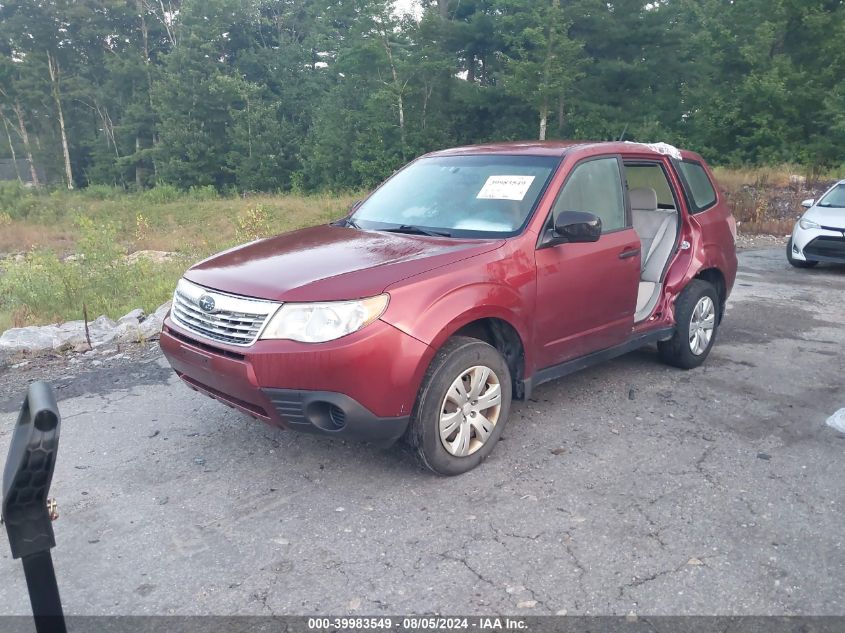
652, 176
595, 186
700, 190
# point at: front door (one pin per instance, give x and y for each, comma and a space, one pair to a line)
587, 293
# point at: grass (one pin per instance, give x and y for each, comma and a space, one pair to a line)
158, 219
767, 200
99, 226
40, 284
735, 178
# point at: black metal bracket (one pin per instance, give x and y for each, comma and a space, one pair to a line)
26, 513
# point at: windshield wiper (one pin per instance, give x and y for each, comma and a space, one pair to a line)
416, 230
347, 222
832, 206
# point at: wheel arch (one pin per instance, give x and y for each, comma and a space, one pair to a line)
491, 312
496, 328
716, 278
502, 335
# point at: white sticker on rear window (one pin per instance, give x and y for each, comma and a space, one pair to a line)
505, 188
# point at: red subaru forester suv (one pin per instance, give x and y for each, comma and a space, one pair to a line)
465, 280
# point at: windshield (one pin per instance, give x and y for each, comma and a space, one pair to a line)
461, 196
835, 197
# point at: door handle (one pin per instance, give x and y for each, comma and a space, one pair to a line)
629, 252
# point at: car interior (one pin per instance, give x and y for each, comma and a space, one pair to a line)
655, 219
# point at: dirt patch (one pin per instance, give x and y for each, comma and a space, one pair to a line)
772, 209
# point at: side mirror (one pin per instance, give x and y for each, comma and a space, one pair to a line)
808, 203
577, 226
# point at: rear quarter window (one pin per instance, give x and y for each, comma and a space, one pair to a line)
700, 191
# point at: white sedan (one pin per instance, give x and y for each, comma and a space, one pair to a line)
819, 236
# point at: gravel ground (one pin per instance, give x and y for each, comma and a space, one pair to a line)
745, 242
629, 487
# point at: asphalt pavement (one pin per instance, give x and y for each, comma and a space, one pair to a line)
631, 487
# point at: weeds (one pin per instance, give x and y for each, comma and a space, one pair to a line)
142, 228
72, 245
45, 288
252, 225
102, 192
160, 194
201, 194
785, 176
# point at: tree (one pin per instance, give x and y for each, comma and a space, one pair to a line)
276, 94
542, 60
11, 101
39, 33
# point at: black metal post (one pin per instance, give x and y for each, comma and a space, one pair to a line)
27, 511
44, 593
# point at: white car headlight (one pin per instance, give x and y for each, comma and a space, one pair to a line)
321, 322
805, 224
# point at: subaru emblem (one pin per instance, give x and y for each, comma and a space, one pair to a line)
206, 302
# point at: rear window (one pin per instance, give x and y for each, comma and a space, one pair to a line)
700, 190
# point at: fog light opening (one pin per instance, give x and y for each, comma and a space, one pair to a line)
326, 416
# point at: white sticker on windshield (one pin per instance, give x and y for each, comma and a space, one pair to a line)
505, 188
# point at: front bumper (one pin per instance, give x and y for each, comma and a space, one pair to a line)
819, 245
334, 414
360, 387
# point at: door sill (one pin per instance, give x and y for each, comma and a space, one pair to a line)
577, 364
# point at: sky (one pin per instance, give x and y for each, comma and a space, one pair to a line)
407, 6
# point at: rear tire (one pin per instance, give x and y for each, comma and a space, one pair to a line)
798, 263
697, 312
462, 408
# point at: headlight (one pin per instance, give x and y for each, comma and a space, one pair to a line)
805, 224
321, 322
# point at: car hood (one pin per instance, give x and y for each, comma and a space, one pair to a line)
827, 216
326, 263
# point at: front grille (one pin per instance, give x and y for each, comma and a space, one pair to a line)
826, 246
233, 320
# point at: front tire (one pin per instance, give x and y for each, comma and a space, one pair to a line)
462, 408
798, 263
697, 312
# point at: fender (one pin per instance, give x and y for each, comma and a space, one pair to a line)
446, 314
715, 257
449, 313
439, 303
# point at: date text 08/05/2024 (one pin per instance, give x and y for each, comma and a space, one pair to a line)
424, 623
